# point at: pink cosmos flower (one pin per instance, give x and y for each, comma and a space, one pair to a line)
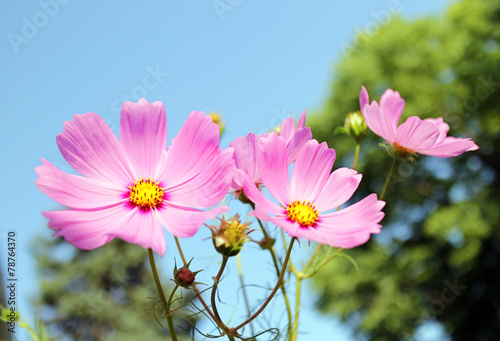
308, 201
413, 136
130, 188
244, 149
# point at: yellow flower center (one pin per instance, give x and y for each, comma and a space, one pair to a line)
302, 212
146, 194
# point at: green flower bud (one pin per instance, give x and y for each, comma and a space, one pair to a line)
229, 238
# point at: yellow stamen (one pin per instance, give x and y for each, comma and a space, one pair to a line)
303, 212
146, 194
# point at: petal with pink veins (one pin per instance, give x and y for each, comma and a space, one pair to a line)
339, 188
244, 157
311, 170
184, 221
76, 191
272, 159
302, 120
208, 187
191, 151
416, 134
393, 105
143, 134
91, 148
287, 129
353, 225
379, 122
298, 141
450, 147
89, 229
256, 196
363, 99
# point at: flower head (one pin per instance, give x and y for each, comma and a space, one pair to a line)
131, 187
230, 236
244, 149
413, 136
308, 201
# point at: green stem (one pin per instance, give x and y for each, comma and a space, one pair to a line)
356, 156
276, 287
195, 289
283, 290
382, 195
162, 295
245, 296
170, 320
214, 290
316, 269
312, 258
297, 309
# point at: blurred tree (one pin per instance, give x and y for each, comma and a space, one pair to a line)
438, 256
103, 294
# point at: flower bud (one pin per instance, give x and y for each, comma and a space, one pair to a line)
184, 277
355, 126
217, 119
229, 238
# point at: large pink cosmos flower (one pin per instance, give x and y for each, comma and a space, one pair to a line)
413, 136
244, 149
308, 201
130, 188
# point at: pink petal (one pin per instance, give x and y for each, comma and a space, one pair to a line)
353, 225
339, 188
244, 157
442, 126
379, 122
287, 129
302, 120
393, 105
91, 148
450, 147
272, 159
184, 221
208, 187
311, 171
416, 134
256, 196
363, 99
144, 228
143, 133
76, 191
298, 141
191, 151
88, 229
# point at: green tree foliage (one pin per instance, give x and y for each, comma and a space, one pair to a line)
438, 256
103, 294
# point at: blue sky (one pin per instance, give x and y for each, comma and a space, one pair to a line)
255, 62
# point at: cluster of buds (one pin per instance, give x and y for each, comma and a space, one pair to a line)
230, 236
184, 277
354, 125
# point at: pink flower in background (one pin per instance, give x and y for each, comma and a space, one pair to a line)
244, 149
130, 188
308, 201
413, 136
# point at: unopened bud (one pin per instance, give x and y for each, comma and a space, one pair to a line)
184, 277
229, 238
355, 126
